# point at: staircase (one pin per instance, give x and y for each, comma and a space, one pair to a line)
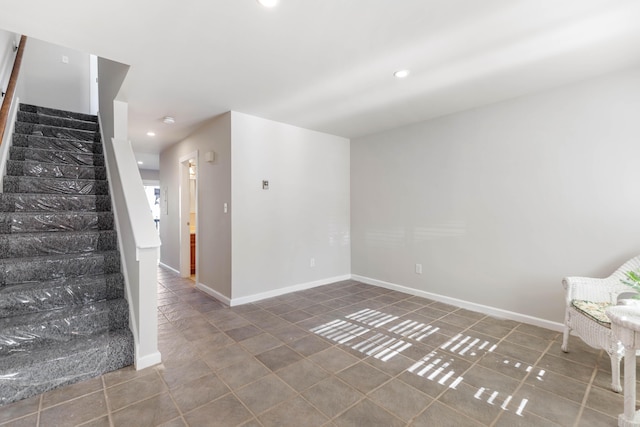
63, 316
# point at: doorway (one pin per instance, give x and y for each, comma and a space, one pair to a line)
153, 197
188, 168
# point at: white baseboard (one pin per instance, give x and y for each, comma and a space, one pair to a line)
485, 309
288, 289
217, 295
162, 264
148, 360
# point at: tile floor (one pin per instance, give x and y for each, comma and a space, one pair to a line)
345, 354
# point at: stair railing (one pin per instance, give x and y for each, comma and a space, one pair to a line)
11, 88
9, 110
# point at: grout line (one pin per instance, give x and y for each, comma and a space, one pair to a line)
583, 404
474, 364
180, 414
106, 400
39, 409
524, 379
231, 389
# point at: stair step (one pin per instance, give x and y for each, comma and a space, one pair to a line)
22, 245
20, 202
28, 222
31, 184
27, 298
36, 269
58, 113
57, 121
56, 132
56, 365
63, 313
54, 170
56, 156
46, 143
21, 333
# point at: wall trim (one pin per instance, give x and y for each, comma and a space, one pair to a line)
217, 295
162, 264
148, 360
288, 289
492, 311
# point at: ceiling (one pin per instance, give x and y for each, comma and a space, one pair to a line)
328, 65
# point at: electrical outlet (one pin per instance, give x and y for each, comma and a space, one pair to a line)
312, 262
418, 268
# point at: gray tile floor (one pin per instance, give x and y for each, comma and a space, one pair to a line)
345, 354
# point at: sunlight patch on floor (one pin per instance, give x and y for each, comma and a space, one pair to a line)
463, 345
437, 367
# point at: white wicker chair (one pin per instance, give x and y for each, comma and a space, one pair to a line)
595, 333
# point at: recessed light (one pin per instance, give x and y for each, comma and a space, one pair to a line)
139, 162
268, 3
168, 120
401, 74
151, 133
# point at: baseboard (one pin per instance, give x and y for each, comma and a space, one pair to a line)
217, 295
162, 264
148, 360
485, 309
288, 289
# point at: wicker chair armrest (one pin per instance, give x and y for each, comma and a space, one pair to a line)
592, 289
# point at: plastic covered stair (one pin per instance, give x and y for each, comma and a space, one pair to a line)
63, 316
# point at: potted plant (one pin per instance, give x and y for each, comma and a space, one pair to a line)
633, 281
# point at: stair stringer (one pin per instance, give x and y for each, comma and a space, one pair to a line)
7, 140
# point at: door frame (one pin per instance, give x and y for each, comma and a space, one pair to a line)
184, 197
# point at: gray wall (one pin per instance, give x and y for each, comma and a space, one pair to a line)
304, 214
214, 189
498, 204
48, 82
149, 175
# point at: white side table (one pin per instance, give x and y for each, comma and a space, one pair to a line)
625, 324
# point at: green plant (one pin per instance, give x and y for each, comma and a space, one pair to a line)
633, 281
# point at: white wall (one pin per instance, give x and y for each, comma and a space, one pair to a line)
47, 81
498, 204
111, 75
214, 189
7, 56
303, 215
